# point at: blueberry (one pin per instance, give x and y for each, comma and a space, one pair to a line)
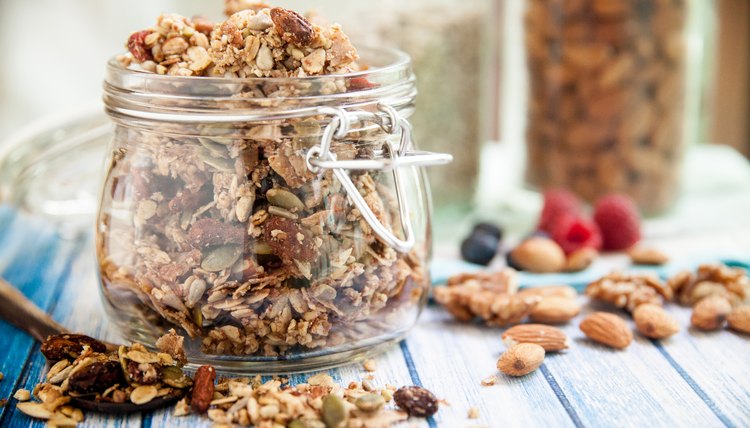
479, 248
490, 229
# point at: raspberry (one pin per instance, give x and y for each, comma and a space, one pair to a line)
573, 232
557, 203
619, 221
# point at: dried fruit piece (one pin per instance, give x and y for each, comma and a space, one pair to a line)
647, 256
607, 329
69, 346
521, 359
203, 388
333, 411
710, 313
550, 338
208, 232
288, 240
654, 322
137, 46
416, 401
96, 377
292, 27
539, 255
739, 319
555, 310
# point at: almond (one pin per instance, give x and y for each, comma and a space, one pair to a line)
647, 256
550, 290
710, 313
550, 338
292, 27
607, 329
539, 255
555, 310
654, 322
521, 359
580, 259
739, 319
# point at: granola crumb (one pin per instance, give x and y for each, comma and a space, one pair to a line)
3, 402
370, 365
174, 345
473, 413
489, 381
2, 376
22, 395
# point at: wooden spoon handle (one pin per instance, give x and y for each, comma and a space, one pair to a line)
16, 309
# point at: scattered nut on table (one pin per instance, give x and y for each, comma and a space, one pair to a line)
654, 322
607, 329
521, 359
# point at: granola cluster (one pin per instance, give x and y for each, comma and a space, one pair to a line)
255, 41
82, 368
628, 291
489, 296
733, 284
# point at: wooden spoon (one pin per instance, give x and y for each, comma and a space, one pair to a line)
19, 311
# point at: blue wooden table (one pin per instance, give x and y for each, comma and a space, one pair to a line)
693, 379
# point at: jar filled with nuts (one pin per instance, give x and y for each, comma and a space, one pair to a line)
607, 97
269, 205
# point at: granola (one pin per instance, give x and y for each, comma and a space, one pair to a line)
223, 230
255, 41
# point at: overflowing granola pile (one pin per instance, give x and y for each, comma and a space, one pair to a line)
259, 41
225, 232
84, 372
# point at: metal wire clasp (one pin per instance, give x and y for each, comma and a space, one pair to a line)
320, 157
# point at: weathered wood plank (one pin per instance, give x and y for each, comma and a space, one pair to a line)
633, 387
715, 364
452, 359
34, 242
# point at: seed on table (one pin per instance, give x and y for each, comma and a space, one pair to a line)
370, 402
334, 411
22, 395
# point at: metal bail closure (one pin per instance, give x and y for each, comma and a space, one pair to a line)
320, 157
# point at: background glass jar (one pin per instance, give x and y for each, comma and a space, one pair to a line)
281, 224
607, 109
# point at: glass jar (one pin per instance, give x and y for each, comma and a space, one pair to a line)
280, 224
607, 107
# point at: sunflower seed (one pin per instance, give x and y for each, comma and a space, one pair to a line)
143, 394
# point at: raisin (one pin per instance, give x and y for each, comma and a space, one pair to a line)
416, 401
96, 377
69, 346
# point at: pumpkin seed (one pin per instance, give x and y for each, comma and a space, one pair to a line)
216, 149
370, 402
262, 248
285, 199
143, 394
221, 258
334, 411
324, 292
226, 165
281, 212
175, 377
306, 423
198, 316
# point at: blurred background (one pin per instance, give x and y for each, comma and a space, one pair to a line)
506, 86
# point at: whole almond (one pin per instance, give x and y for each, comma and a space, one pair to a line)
647, 256
654, 322
550, 338
580, 259
710, 313
555, 310
203, 389
607, 329
521, 359
550, 290
539, 255
739, 319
